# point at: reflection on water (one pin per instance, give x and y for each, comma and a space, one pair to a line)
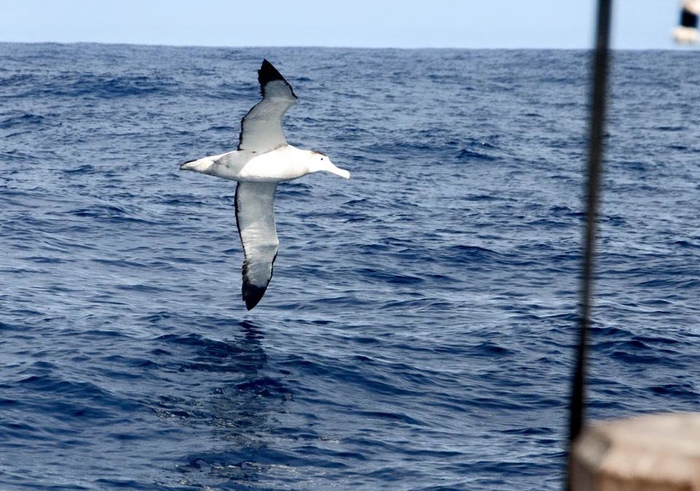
238, 409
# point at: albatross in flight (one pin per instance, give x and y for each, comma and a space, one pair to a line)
262, 160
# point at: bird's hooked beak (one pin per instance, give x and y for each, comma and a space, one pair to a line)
341, 172
337, 170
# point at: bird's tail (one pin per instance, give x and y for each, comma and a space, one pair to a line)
201, 165
198, 165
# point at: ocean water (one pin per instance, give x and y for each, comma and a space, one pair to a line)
418, 332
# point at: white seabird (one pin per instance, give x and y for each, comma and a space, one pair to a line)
262, 160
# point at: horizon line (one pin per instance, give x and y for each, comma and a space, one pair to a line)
672, 46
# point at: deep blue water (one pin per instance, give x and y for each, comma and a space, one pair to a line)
418, 332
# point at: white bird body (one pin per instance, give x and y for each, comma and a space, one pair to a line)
262, 160
282, 164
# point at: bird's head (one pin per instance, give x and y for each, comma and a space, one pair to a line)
320, 162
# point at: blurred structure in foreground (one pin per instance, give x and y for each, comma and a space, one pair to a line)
687, 30
656, 452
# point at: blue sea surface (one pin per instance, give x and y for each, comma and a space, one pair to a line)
418, 333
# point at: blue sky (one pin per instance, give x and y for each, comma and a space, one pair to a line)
638, 24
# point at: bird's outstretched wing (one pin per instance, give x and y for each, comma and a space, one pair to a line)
261, 128
255, 217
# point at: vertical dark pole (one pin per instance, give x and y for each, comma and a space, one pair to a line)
599, 95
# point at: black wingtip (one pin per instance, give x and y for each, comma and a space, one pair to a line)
252, 295
269, 73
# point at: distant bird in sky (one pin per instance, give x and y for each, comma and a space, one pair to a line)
262, 160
